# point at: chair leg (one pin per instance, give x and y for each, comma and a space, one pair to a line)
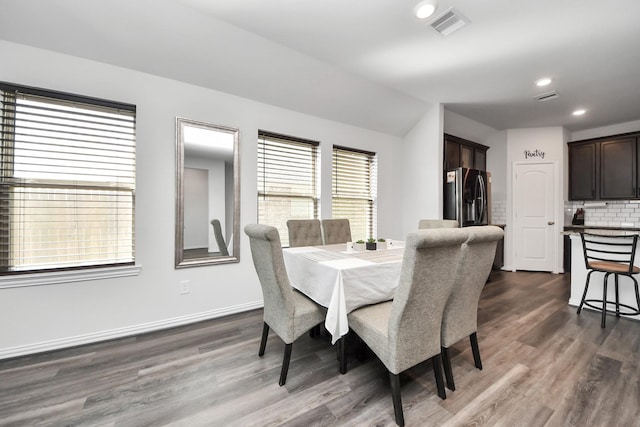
604, 300
342, 354
448, 372
475, 350
285, 364
436, 361
584, 294
394, 379
315, 331
263, 343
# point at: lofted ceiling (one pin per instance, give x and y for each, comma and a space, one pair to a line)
369, 63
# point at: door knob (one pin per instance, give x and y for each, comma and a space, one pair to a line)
551, 222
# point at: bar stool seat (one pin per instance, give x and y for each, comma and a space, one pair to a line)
610, 255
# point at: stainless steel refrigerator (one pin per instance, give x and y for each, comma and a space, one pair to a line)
467, 196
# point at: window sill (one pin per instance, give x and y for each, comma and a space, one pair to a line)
53, 278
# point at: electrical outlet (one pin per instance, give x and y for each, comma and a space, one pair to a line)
184, 287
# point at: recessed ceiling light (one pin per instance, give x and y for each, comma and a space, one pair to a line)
545, 81
579, 112
425, 9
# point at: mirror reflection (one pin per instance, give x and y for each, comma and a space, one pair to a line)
207, 206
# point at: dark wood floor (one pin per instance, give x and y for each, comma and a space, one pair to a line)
543, 366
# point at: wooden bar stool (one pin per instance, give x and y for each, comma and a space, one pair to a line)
610, 255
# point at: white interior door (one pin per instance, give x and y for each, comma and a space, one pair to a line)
534, 215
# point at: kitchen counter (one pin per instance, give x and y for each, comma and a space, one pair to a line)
570, 230
602, 232
575, 230
597, 227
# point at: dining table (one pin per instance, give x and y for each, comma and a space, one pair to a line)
342, 279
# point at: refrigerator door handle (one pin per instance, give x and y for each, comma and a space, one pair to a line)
482, 205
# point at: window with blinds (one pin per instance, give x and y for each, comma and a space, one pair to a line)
287, 180
67, 184
354, 190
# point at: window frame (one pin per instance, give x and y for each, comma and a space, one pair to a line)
372, 192
38, 275
293, 149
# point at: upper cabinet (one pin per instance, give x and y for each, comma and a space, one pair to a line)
604, 168
583, 160
459, 152
618, 169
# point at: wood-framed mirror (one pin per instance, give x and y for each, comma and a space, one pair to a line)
207, 194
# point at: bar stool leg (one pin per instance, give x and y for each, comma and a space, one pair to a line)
617, 298
637, 294
586, 288
604, 300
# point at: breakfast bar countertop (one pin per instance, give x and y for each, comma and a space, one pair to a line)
570, 230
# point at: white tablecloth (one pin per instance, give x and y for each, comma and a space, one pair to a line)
343, 281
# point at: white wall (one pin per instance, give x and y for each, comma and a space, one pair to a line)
616, 129
420, 166
551, 141
497, 165
463, 127
39, 318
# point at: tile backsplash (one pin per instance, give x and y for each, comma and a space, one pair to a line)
498, 212
614, 213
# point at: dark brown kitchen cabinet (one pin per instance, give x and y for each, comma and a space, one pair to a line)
451, 155
618, 169
604, 168
459, 152
583, 159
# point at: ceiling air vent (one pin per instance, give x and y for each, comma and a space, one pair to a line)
449, 22
547, 96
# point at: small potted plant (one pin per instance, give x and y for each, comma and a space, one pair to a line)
371, 244
358, 246
382, 244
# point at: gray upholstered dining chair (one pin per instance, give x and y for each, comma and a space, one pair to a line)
406, 331
217, 232
288, 312
336, 231
460, 317
304, 232
437, 223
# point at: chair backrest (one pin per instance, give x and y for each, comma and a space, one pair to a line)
304, 232
217, 232
336, 231
428, 266
268, 261
460, 317
609, 252
437, 223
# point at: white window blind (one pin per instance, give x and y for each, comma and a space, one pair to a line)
67, 184
287, 180
354, 190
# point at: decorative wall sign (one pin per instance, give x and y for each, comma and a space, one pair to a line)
536, 153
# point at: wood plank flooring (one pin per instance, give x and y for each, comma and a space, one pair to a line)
543, 366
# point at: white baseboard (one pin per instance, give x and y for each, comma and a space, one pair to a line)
576, 303
58, 344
